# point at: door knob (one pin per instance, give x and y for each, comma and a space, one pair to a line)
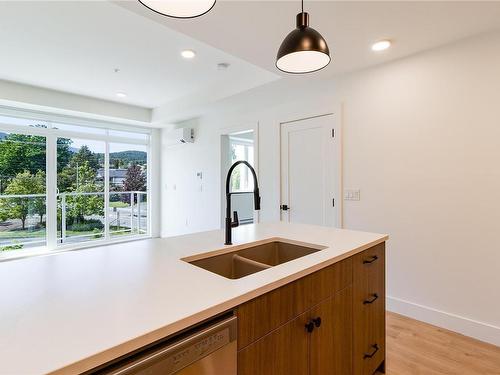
317, 321
310, 326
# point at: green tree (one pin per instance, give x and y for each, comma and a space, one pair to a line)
69, 177
19, 153
63, 153
115, 163
40, 204
79, 206
83, 155
66, 178
19, 207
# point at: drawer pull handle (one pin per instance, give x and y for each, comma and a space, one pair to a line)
317, 321
375, 350
368, 261
371, 300
310, 326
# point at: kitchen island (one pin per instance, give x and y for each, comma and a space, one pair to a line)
71, 312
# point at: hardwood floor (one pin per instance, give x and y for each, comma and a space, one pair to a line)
416, 348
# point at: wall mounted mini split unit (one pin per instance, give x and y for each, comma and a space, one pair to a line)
178, 136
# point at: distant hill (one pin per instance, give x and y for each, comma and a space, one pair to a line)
127, 157
139, 157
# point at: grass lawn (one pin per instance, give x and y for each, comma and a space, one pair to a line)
118, 204
40, 233
23, 233
19, 235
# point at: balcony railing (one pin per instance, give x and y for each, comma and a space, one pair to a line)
80, 217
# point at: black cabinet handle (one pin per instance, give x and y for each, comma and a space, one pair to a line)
371, 300
310, 326
375, 350
371, 260
317, 321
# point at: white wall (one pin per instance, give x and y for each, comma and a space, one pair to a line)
188, 203
19, 95
421, 140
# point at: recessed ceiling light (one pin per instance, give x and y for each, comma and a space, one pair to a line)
121, 94
381, 45
188, 54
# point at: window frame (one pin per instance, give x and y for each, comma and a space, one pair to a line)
51, 135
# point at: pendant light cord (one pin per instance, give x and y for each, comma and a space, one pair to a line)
302, 6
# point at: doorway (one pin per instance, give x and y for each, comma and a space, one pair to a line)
239, 145
311, 171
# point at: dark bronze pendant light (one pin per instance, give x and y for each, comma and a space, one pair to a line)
304, 50
179, 8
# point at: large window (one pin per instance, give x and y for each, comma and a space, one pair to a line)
22, 191
64, 184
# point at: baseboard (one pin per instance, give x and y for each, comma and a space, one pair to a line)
468, 327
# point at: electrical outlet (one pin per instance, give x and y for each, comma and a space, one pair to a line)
352, 195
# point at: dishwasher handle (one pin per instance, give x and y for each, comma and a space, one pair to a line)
184, 352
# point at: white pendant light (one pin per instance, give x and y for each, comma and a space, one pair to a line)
179, 8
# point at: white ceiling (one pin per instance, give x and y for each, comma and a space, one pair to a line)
74, 46
253, 30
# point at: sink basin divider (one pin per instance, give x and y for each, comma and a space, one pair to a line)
251, 262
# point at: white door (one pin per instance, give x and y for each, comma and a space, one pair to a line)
310, 171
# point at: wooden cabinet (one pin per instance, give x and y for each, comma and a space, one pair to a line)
331, 342
284, 351
331, 322
317, 342
369, 310
261, 315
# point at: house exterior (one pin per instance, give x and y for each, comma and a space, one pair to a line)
116, 176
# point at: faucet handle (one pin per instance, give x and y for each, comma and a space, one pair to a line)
256, 198
236, 221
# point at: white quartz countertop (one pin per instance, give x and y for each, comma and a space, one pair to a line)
70, 312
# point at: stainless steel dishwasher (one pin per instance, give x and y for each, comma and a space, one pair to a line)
206, 350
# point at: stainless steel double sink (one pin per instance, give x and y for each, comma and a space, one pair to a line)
253, 257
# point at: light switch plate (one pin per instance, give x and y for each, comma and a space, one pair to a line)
352, 195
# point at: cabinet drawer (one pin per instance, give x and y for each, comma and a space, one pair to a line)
263, 314
369, 310
328, 281
369, 268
